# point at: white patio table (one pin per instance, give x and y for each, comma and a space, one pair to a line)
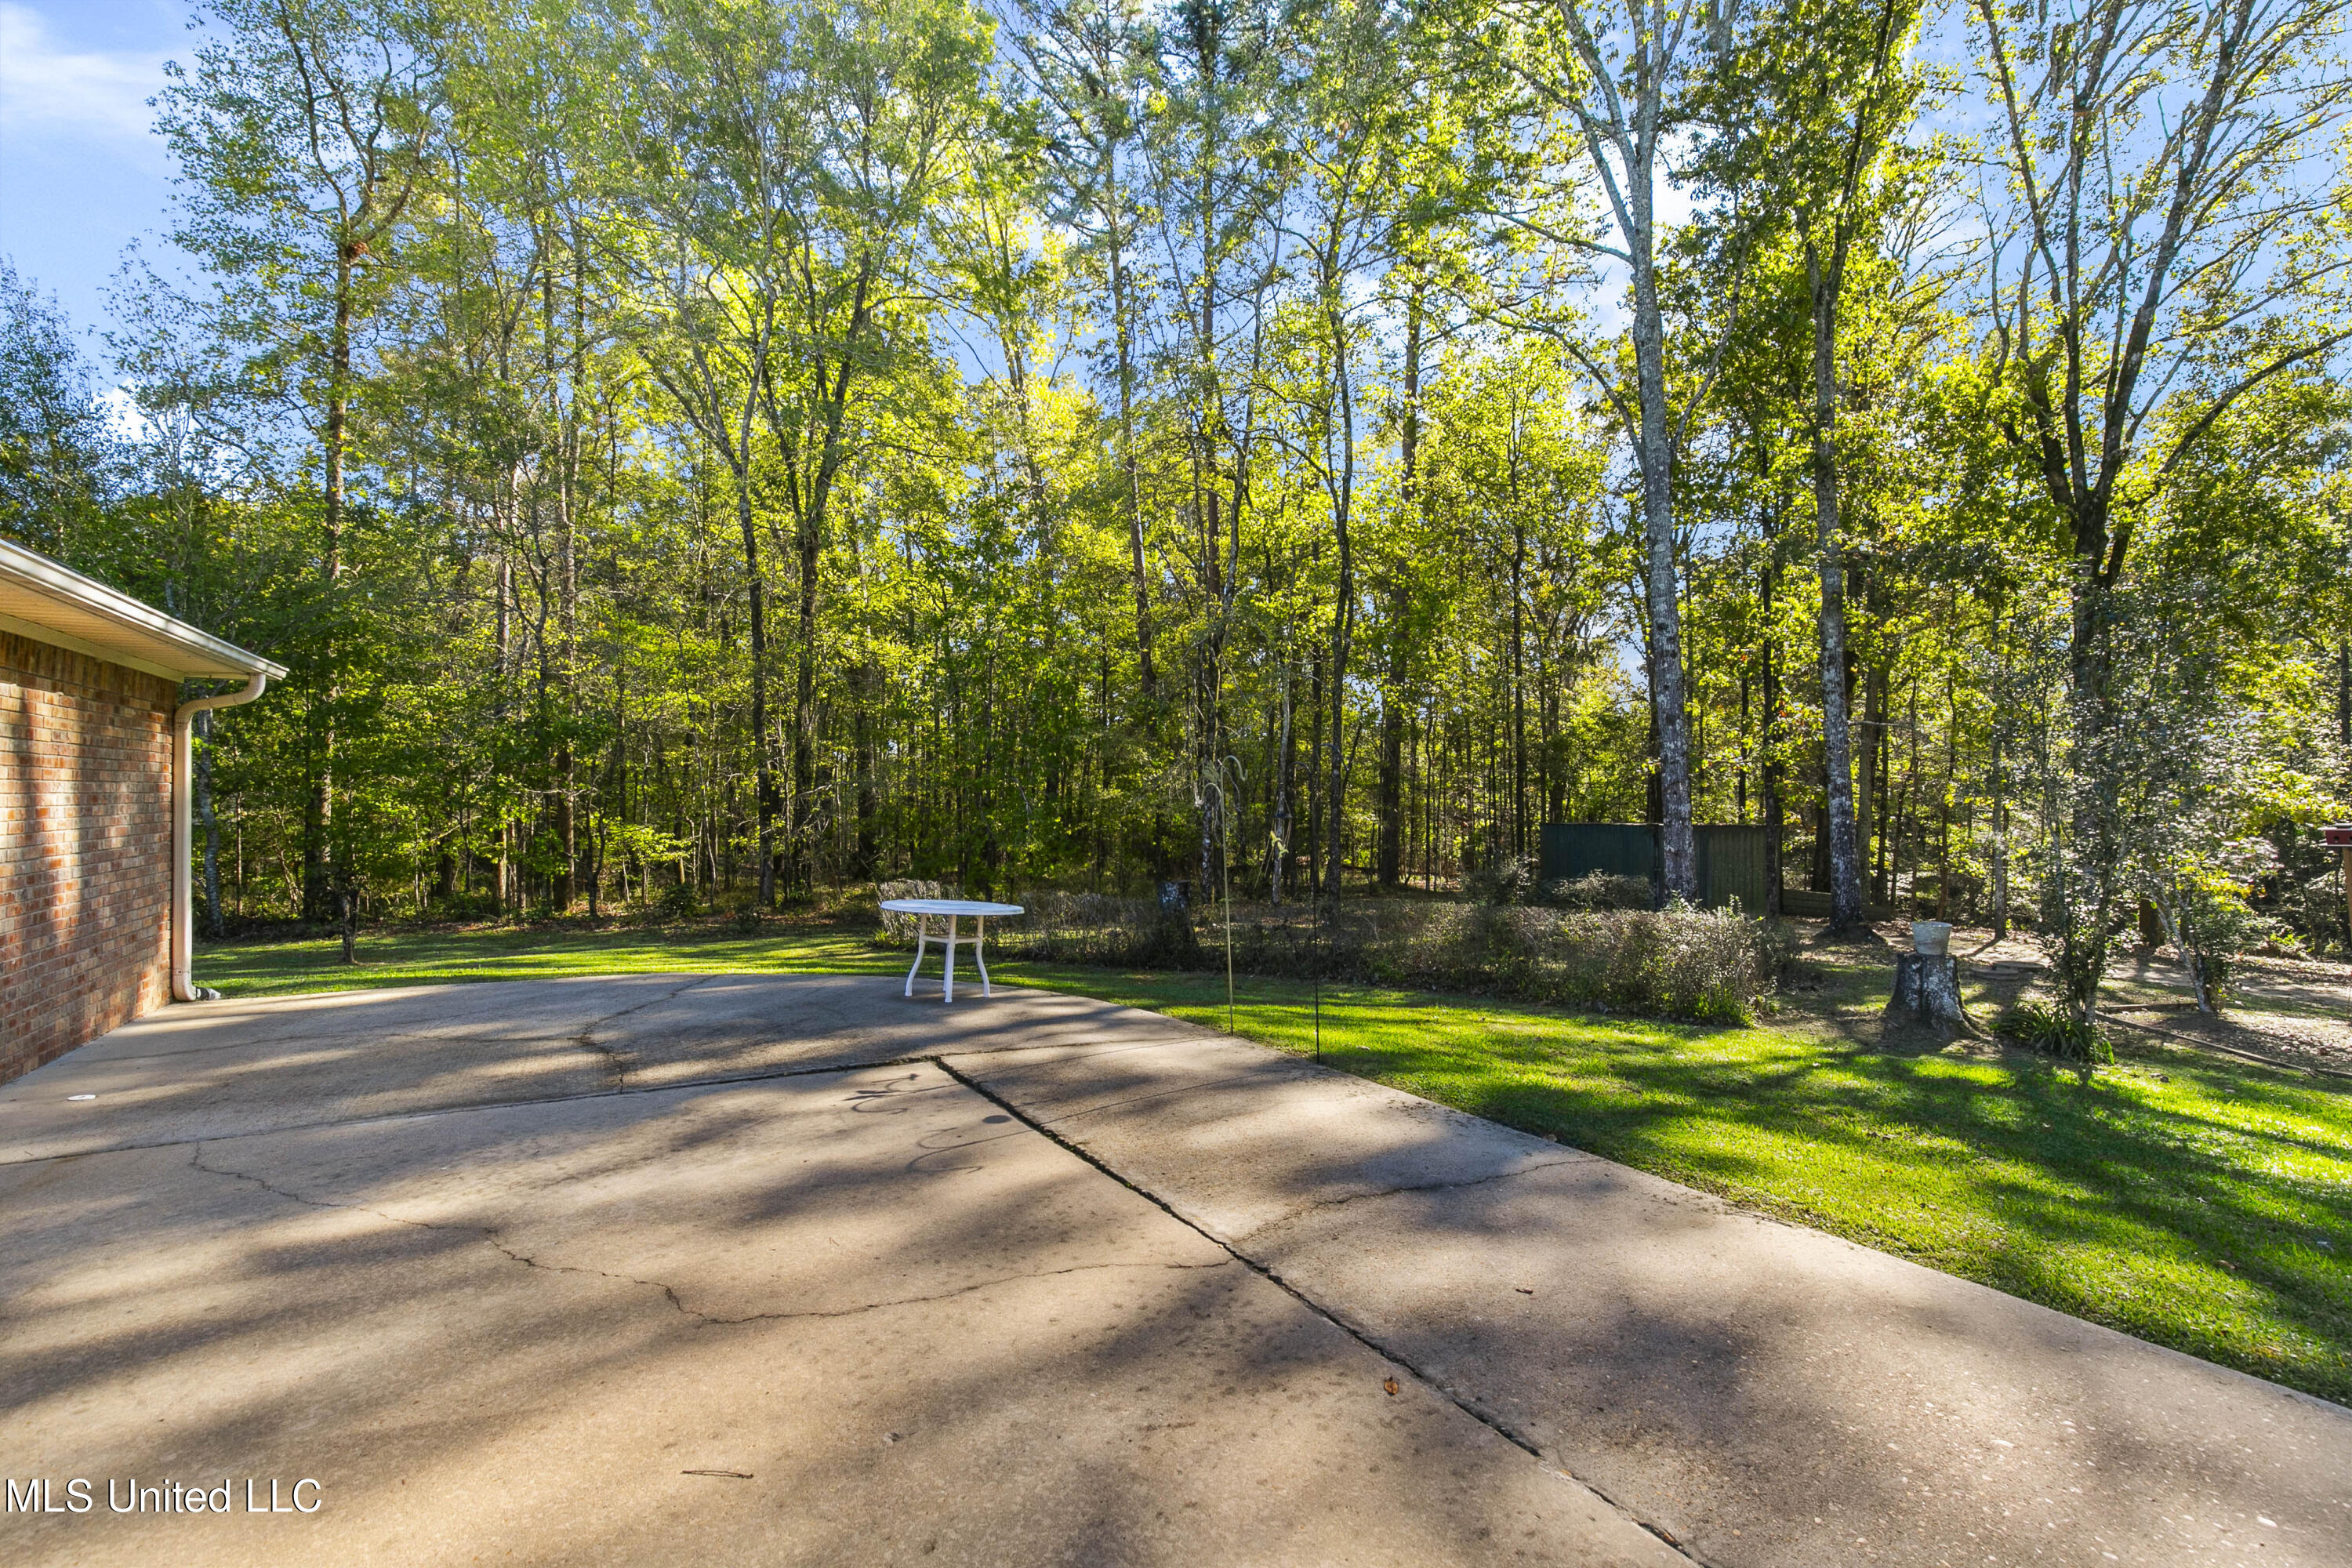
952, 908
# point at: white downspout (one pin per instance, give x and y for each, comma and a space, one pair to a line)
184, 933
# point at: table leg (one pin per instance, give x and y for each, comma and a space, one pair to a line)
951, 942
922, 930
979, 955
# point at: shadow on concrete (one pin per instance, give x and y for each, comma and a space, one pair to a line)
917, 1327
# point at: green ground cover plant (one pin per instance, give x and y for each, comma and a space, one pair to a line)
2189, 1200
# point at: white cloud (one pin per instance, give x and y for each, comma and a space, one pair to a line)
124, 418
47, 90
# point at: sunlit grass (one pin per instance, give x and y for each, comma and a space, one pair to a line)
2199, 1203
439, 956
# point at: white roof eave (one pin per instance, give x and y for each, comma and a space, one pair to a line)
48, 603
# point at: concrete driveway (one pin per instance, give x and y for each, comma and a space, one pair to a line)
790, 1269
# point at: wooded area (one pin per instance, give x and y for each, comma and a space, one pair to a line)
760, 446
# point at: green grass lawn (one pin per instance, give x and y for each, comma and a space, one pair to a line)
2194, 1201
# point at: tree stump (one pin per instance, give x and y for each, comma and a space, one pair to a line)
1928, 991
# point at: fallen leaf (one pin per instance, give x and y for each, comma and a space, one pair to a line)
1525, 1289
1390, 1383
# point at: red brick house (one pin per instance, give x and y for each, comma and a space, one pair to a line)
95, 925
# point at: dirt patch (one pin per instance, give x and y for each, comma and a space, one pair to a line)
2293, 1012
2323, 1045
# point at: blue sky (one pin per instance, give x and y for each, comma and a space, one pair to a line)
81, 173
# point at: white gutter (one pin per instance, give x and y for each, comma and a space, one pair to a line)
183, 934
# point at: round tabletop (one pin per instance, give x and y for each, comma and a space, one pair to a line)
948, 907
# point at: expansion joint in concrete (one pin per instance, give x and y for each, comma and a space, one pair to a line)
1487, 1418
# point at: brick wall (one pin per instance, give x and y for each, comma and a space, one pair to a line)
85, 848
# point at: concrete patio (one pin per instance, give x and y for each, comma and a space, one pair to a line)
788, 1269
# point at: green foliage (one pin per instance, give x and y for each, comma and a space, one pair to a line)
2053, 1031
56, 457
1680, 962
1501, 880
2210, 918
717, 452
1601, 891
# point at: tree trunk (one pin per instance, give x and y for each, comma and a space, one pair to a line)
1343, 617
567, 588
1125, 326
766, 783
1316, 731
1928, 991
348, 898
1390, 860
1999, 804
1771, 745
1285, 768
1873, 821
869, 849
804, 712
1837, 734
1518, 686
318, 816
1677, 850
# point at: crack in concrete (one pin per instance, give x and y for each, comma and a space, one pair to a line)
616, 1064
1136, 1100
724, 1080
489, 1236
964, 1290
1492, 1420
1577, 1158
616, 1061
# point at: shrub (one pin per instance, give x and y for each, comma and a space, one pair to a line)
2215, 927
480, 906
900, 928
679, 902
1601, 891
1676, 963
2053, 1031
1100, 930
1503, 880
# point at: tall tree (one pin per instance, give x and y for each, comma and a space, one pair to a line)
1089, 66
892, 92
1214, 183
54, 448
1622, 75
1829, 80
2156, 258
304, 134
